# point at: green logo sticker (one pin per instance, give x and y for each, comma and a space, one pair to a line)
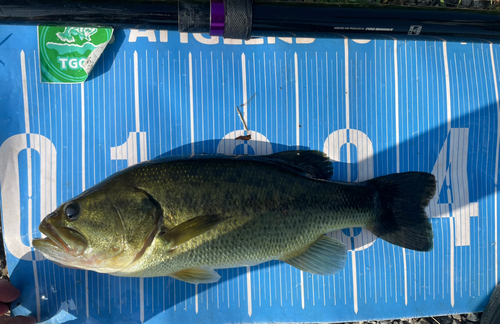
68, 54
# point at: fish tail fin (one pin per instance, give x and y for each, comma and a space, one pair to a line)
400, 214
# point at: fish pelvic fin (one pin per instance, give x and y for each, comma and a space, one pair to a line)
400, 217
197, 275
326, 256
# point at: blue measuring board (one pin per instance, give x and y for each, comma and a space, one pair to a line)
374, 106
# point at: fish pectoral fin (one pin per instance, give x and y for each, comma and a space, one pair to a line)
326, 256
191, 228
197, 275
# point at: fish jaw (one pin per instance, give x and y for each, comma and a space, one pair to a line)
54, 252
62, 245
58, 255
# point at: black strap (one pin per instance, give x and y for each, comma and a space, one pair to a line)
238, 20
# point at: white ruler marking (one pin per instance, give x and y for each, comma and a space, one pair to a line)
25, 93
448, 120
405, 275
87, 291
249, 291
141, 291
244, 86
196, 298
354, 282
447, 79
136, 92
497, 100
302, 289
353, 253
191, 102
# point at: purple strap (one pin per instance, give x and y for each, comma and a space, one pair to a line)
217, 16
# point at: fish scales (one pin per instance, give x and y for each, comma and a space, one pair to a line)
266, 209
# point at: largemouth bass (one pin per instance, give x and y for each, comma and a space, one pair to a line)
186, 216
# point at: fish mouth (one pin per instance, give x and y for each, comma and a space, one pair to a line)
52, 235
64, 239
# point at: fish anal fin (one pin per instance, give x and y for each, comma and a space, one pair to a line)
191, 228
326, 256
197, 275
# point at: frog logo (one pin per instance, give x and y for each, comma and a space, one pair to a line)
68, 36
69, 33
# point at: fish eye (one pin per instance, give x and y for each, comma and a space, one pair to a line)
72, 211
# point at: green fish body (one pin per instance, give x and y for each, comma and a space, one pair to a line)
186, 216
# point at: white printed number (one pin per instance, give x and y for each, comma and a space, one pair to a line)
134, 148
11, 190
450, 171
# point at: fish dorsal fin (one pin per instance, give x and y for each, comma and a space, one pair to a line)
314, 164
326, 256
197, 275
190, 229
